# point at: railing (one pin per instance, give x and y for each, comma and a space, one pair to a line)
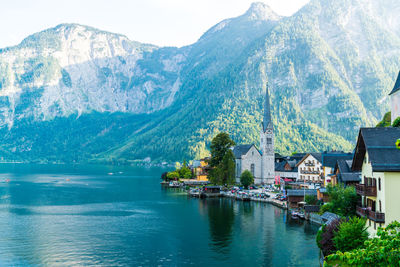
362, 212
372, 215
365, 190
376, 216
309, 172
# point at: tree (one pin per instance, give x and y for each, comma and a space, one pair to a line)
228, 168
311, 199
220, 144
343, 200
385, 122
351, 234
383, 250
174, 175
246, 179
185, 173
396, 122
164, 176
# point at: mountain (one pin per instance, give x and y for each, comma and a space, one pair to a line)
75, 93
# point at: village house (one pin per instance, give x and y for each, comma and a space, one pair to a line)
343, 174
200, 169
296, 196
378, 160
310, 169
286, 171
328, 160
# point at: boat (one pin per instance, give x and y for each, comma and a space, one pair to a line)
243, 197
301, 215
174, 184
294, 214
194, 192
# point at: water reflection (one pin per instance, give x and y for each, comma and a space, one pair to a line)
221, 217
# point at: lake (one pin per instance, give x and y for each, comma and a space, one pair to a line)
120, 216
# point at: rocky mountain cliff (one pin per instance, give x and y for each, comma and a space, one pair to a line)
75, 93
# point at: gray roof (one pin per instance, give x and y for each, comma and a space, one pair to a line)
345, 172
380, 144
396, 85
328, 217
241, 150
267, 122
351, 177
329, 159
280, 166
300, 192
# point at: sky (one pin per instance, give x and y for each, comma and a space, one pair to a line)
159, 22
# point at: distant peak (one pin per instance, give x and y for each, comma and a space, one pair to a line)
261, 11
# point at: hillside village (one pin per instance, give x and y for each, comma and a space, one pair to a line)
372, 168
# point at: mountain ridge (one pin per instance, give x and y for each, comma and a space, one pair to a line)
169, 102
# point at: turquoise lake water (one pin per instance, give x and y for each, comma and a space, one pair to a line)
57, 215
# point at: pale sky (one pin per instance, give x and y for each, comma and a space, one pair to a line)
159, 22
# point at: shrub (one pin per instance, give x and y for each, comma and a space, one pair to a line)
325, 238
246, 178
351, 234
396, 122
383, 250
311, 199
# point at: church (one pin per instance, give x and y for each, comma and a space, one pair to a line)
260, 162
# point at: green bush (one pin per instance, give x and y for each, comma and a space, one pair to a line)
343, 200
351, 234
383, 250
311, 199
396, 122
246, 178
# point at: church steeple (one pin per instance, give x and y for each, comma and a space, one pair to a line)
267, 122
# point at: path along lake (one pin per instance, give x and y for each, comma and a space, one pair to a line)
121, 216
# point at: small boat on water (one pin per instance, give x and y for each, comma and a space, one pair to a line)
174, 184
195, 192
243, 197
301, 215
294, 214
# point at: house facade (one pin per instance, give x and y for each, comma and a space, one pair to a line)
378, 160
310, 169
247, 157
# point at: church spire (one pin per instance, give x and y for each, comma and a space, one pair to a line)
267, 122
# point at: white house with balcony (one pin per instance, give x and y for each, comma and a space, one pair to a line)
310, 169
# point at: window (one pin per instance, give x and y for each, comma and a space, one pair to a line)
379, 184
237, 169
380, 206
252, 169
269, 141
252, 153
374, 225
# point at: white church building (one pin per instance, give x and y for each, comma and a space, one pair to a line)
261, 163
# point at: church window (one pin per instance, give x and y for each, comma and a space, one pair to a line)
269, 141
252, 169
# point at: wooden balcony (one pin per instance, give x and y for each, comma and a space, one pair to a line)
365, 190
376, 216
372, 215
362, 212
